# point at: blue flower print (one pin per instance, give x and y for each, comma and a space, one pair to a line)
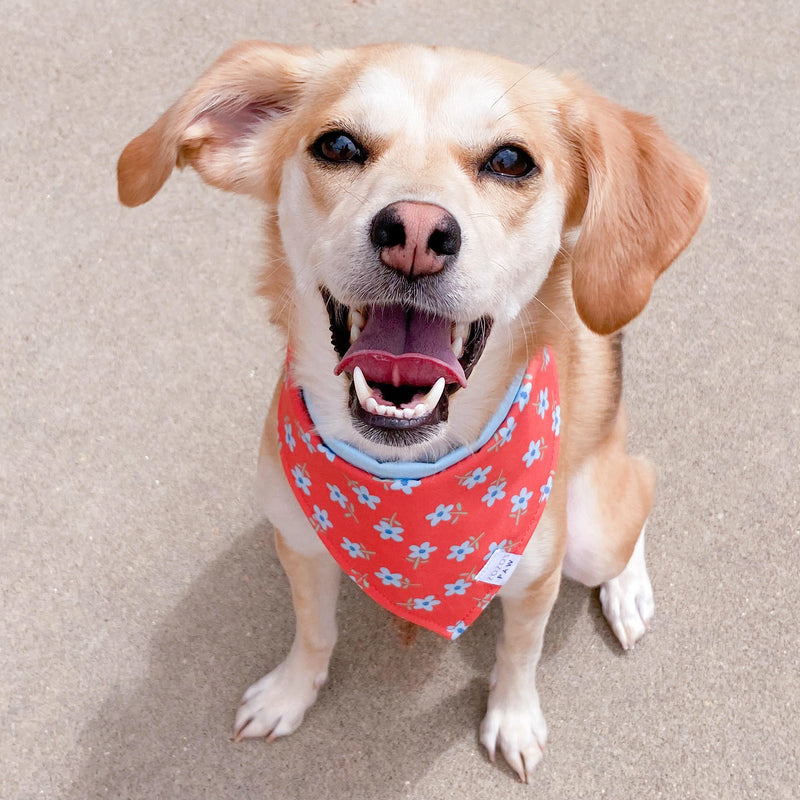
425, 603
289, 437
337, 496
475, 477
507, 431
495, 546
327, 452
404, 485
420, 552
460, 551
306, 437
355, 550
534, 452
365, 498
320, 516
494, 492
459, 587
301, 479
557, 420
545, 490
543, 403
523, 395
389, 529
519, 502
389, 578
442, 514
456, 630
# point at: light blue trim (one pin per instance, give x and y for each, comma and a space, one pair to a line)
398, 470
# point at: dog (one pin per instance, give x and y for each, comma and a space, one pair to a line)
454, 241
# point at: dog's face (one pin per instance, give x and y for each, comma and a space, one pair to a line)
436, 200
418, 199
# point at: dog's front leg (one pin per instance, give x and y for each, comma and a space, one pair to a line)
275, 705
514, 719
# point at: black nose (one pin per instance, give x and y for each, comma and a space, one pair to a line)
414, 238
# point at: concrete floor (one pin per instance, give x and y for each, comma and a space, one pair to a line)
140, 589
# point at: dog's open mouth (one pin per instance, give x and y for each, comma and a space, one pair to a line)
403, 363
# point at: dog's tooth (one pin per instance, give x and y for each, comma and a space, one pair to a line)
362, 387
434, 395
356, 323
355, 317
408, 413
371, 405
460, 331
458, 346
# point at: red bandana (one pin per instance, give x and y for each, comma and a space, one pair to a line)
426, 549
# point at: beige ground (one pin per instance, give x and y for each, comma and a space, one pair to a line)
140, 590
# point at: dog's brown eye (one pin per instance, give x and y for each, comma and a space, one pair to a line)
338, 147
510, 162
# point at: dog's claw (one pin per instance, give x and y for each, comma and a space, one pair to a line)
238, 735
270, 737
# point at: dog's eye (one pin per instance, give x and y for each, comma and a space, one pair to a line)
510, 162
338, 147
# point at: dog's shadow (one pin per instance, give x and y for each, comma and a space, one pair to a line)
169, 735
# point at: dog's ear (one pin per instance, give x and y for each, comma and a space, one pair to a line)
215, 127
643, 200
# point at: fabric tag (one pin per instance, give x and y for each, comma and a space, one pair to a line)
498, 568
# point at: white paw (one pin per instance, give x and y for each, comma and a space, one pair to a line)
275, 705
627, 600
519, 728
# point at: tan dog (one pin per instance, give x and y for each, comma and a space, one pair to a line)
477, 191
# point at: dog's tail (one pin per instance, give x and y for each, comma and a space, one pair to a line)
407, 631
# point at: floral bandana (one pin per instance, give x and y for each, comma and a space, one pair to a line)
425, 548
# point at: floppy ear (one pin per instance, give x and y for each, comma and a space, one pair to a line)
215, 126
644, 199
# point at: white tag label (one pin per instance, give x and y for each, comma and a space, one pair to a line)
497, 570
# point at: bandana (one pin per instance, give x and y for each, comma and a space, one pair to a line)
424, 539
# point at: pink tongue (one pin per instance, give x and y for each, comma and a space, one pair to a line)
403, 348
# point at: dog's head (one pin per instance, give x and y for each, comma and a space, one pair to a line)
418, 198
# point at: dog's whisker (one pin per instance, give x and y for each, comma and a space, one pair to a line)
547, 308
516, 82
519, 108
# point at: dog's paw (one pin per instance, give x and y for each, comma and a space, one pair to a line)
275, 705
627, 600
520, 730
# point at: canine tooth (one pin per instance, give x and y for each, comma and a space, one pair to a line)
355, 332
460, 331
458, 346
362, 387
434, 395
355, 317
